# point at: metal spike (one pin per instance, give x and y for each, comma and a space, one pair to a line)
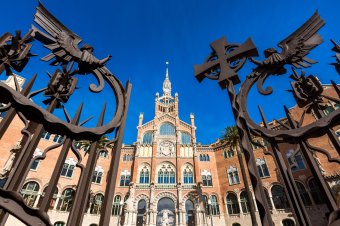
66, 114
49, 74
25, 91
102, 114
264, 120
85, 121
336, 88
301, 119
290, 120
76, 117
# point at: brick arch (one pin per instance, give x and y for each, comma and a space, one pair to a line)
140, 197
165, 195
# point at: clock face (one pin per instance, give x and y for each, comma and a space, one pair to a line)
166, 148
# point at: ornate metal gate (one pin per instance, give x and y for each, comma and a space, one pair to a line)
223, 64
69, 60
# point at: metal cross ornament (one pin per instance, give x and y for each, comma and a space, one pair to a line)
224, 61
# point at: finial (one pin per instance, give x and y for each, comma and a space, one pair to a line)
167, 69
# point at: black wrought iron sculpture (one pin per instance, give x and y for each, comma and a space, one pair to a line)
223, 63
63, 44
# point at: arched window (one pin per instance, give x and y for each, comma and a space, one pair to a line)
215, 209
59, 223
166, 174
68, 168
30, 192
262, 167
144, 175
141, 208
167, 129
207, 158
66, 200
147, 138
188, 176
295, 160
206, 205
116, 205
233, 175
303, 193
232, 204
201, 157
46, 135
288, 222
316, 192
103, 154
244, 202
97, 175
235, 224
228, 153
206, 178
268, 199
185, 138
279, 197
125, 178
96, 205
57, 138
190, 212
54, 198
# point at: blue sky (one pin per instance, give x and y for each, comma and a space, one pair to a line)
142, 35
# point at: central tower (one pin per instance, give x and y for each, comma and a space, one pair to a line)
166, 103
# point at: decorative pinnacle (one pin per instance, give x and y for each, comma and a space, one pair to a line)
167, 69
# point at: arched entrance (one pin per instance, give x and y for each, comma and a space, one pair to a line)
166, 212
141, 209
189, 210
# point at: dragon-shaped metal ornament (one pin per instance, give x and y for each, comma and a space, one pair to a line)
306, 90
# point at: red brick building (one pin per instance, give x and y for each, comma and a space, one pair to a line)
162, 174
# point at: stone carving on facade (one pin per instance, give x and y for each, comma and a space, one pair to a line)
10, 161
167, 149
129, 203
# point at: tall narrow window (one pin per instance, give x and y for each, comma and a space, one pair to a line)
206, 178
303, 194
244, 202
188, 177
30, 192
125, 178
166, 174
66, 200
295, 160
279, 197
233, 175
96, 205
35, 164
116, 205
144, 175
46, 135
103, 154
262, 167
232, 204
147, 138
98, 175
215, 209
185, 138
57, 138
67, 170
316, 192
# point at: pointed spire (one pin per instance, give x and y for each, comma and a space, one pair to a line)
167, 69
167, 83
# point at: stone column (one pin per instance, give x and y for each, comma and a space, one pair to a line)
271, 201
36, 201
56, 203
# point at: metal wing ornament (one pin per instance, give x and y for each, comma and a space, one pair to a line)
63, 43
295, 47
